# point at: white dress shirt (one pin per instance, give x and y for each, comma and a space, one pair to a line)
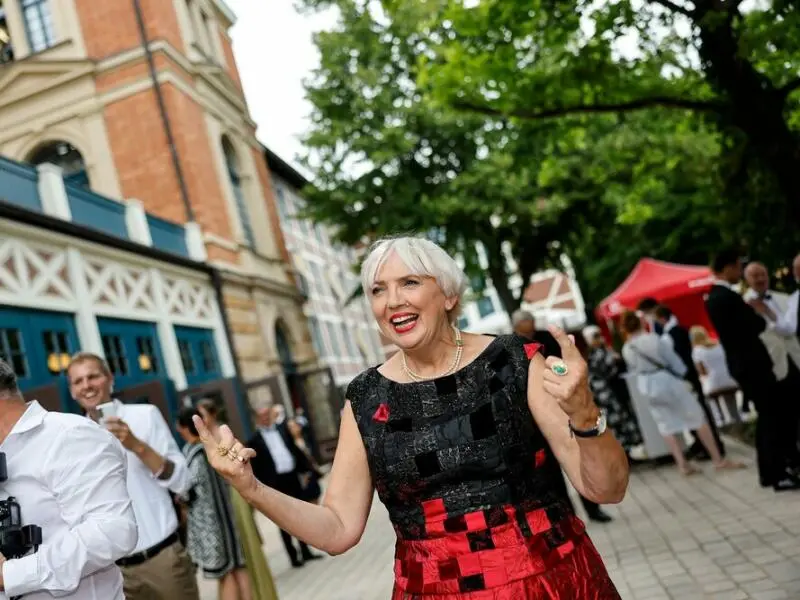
790, 316
155, 513
779, 337
283, 459
68, 476
668, 326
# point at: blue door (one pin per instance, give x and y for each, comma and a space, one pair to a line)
38, 345
132, 351
198, 354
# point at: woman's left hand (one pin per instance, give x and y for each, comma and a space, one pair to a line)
567, 380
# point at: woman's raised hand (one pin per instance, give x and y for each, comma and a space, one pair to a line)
228, 456
566, 378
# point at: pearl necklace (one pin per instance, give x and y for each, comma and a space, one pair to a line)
453, 366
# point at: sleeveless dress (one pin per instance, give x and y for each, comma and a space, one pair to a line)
471, 486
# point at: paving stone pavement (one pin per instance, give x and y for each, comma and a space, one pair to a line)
711, 537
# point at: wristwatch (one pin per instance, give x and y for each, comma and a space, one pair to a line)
598, 429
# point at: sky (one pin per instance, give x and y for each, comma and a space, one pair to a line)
274, 53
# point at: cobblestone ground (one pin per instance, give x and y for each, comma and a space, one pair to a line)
711, 536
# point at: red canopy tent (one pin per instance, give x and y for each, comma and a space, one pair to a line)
679, 287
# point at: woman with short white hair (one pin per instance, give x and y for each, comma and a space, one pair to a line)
463, 437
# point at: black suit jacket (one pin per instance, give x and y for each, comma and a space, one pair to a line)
682, 344
739, 327
264, 465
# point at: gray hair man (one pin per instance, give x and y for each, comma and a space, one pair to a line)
68, 476
523, 323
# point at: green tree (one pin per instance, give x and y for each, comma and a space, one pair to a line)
550, 58
387, 160
392, 154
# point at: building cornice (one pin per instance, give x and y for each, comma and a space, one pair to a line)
284, 170
230, 274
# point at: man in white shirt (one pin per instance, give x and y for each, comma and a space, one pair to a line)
791, 317
68, 476
780, 339
159, 568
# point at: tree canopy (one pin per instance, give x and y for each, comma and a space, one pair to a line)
608, 131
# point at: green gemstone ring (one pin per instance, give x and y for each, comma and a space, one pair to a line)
559, 369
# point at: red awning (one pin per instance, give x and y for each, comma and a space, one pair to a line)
657, 279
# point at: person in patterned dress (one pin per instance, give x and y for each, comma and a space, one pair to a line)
463, 437
212, 539
610, 390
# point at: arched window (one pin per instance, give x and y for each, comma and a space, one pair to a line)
234, 176
284, 349
66, 156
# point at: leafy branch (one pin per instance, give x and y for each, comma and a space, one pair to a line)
611, 107
674, 7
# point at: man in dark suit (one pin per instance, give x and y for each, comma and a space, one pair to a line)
524, 324
739, 328
648, 307
678, 336
279, 463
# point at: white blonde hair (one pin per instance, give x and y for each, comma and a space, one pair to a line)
423, 258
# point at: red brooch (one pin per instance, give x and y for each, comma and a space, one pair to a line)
531, 349
382, 414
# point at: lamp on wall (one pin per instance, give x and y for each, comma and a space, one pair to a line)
145, 364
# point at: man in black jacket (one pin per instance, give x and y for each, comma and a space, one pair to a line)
524, 324
279, 463
678, 336
739, 328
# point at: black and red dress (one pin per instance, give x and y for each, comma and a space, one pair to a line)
472, 488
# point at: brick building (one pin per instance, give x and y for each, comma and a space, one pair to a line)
141, 101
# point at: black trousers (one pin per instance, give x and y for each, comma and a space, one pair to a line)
776, 427
289, 484
701, 398
789, 404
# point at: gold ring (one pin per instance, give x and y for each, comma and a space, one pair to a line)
222, 450
233, 455
560, 369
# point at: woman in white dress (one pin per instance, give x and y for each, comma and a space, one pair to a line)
719, 386
659, 375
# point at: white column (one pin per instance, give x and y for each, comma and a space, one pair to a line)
52, 192
136, 221
88, 330
166, 334
224, 353
194, 242
16, 29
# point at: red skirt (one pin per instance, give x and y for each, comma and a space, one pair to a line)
558, 562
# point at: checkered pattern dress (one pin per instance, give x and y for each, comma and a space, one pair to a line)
470, 485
